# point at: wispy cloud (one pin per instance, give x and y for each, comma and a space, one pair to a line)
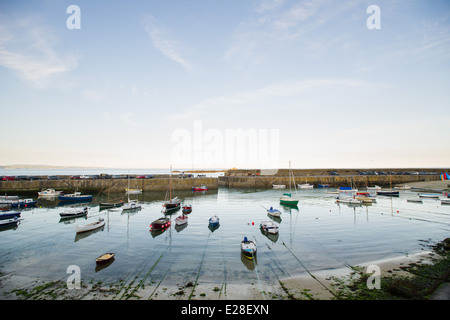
283, 22
165, 43
27, 48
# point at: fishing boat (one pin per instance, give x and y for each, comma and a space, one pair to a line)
171, 203
182, 219
187, 209
160, 223
90, 226
22, 203
274, 212
74, 212
286, 198
9, 214
7, 223
131, 204
323, 185
104, 258
214, 221
269, 227
75, 197
248, 248
279, 186
414, 200
49, 193
305, 186
347, 192
201, 188
429, 195
445, 201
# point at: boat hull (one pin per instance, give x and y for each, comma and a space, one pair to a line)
248, 249
160, 223
9, 215
90, 226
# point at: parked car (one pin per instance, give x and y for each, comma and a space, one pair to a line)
149, 176
53, 178
7, 178
75, 177
140, 177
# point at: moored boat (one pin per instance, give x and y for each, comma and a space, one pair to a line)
349, 200
387, 192
104, 258
274, 212
445, 201
132, 204
269, 227
90, 226
160, 223
75, 197
201, 188
404, 187
305, 186
7, 223
133, 191
214, 221
429, 195
181, 220
74, 212
22, 203
9, 214
279, 186
248, 248
187, 209
49, 193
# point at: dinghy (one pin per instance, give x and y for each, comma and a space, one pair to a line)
248, 248
90, 226
187, 209
104, 258
429, 195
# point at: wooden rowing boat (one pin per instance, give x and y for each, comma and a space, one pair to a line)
90, 226
105, 258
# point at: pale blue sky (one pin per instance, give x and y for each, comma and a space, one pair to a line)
119, 91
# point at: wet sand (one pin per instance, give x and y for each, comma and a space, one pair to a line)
317, 286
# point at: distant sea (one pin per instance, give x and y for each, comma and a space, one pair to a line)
96, 171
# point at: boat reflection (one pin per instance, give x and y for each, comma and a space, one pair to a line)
250, 264
181, 227
102, 266
86, 234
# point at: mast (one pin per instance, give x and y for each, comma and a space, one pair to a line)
170, 184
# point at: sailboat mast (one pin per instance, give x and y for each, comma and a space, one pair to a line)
170, 184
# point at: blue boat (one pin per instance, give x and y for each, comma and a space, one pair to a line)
9, 214
214, 221
9, 223
23, 203
75, 197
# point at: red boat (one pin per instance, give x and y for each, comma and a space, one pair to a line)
201, 188
160, 223
187, 209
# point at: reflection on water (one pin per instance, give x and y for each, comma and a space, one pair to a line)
317, 234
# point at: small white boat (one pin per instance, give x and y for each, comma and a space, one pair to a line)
404, 187
414, 200
429, 195
131, 204
274, 212
279, 186
269, 227
90, 226
181, 220
374, 188
49, 193
349, 201
365, 199
305, 186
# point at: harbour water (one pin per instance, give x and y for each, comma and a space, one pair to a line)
317, 235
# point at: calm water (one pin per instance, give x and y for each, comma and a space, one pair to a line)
317, 235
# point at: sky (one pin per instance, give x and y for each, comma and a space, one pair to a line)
226, 83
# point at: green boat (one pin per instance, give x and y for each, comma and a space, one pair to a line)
287, 197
